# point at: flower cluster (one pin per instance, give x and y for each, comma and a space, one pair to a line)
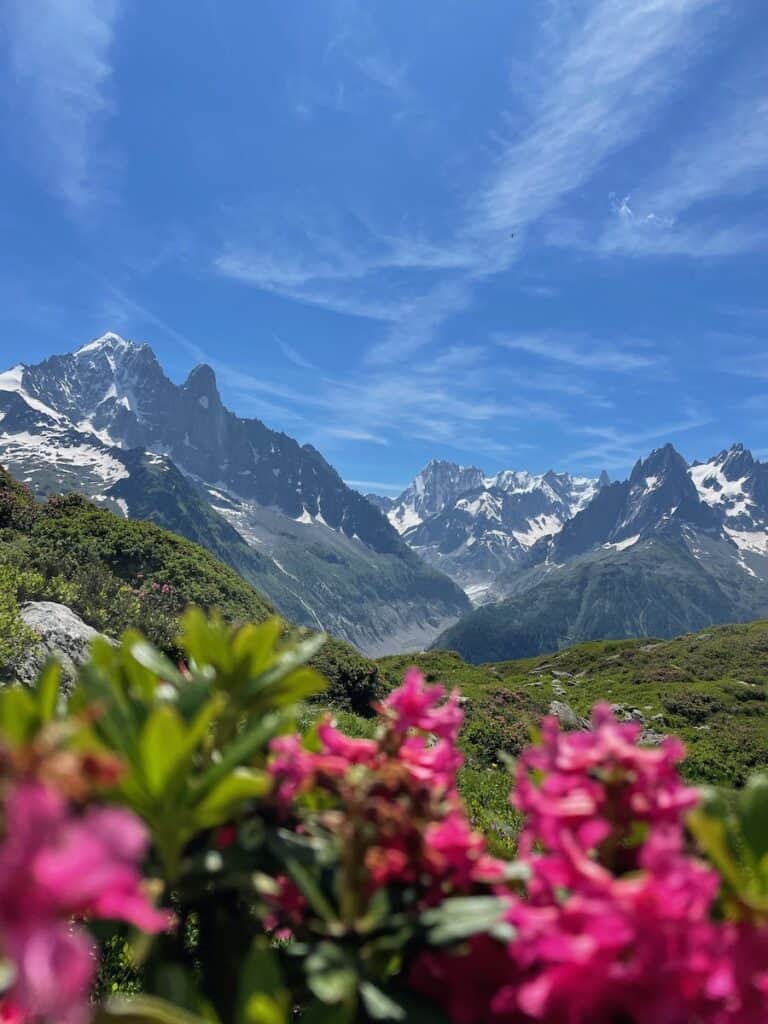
617, 921
62, 860
392, 801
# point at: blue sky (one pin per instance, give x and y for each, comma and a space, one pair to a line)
519, 235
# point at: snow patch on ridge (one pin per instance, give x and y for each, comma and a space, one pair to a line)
622, 545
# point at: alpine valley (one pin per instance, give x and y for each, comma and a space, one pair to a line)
106, 421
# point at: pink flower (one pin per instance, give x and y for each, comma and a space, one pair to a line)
295, 767
353, 751
10, 1013
414, 705
461, 854
291, 765
55, 866
434, 765
617, 923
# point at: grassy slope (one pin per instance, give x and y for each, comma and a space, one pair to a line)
710, 688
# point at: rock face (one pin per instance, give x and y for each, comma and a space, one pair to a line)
61, 634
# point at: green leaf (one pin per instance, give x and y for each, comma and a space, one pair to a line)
262, 995
242, 749
331, 975
310, 889
144, 1010
47, 690
150, 658
161, 746
333, 985
222, 801
18, 714
753, 813
263, 1009
378, 1004
287, 662
710, 828
460, 917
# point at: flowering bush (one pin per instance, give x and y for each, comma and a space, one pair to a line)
248, 874
386, 851
617, 923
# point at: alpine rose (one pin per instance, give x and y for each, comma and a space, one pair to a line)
55, 866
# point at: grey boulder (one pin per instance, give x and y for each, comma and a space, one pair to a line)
61, 634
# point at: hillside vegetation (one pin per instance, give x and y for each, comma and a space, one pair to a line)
119, 573
710, 688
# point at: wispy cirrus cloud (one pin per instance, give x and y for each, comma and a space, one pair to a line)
614, 448
60, 57
599, 83
452, 401
294, 356
582, 352
345, 264
604, 81
724, 157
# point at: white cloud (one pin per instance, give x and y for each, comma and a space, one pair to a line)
597, 85
60, 56
581, 352
347, 434
604, 81
344, 264
616, 449
723, 156
294, 356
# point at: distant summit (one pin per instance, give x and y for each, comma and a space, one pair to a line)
474, 527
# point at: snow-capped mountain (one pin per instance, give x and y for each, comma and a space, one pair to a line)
735, 486
725, 498
429, 492
77, 421
474, 527
672, 549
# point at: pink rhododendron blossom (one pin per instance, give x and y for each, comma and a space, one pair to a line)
353, 751
617, 924
433, 764
414, 705
291, 765
461, 853
55, 866
394, 799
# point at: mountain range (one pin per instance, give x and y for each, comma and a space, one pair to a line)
476, 527
672, 549
105, 420
547, 560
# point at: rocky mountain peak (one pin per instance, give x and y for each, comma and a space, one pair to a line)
110, 341
201, 384
663, 464
735, 462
